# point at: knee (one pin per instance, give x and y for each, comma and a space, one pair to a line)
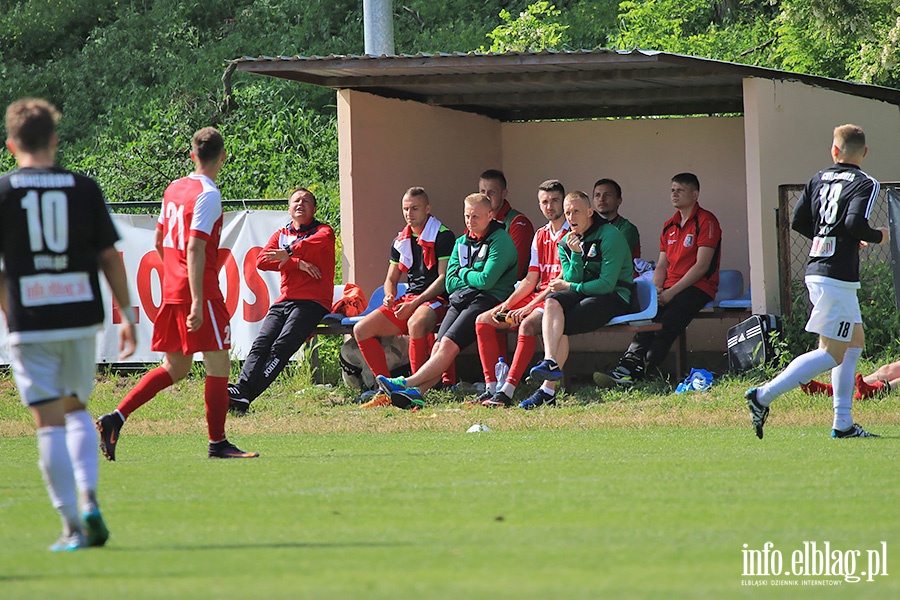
361, 331
420, 326
531, 327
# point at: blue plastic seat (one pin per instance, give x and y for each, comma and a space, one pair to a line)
731, 287
375, 300
743, 302
646, 293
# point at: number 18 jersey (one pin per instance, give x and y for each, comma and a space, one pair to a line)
53, 225
192, 206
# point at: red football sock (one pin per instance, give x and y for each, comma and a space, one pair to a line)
525, 345
150, 385
419, 351
449, 376
488, 349
215, 396
373, 354
501, 343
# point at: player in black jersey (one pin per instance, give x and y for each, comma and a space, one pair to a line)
833, 212
55, 232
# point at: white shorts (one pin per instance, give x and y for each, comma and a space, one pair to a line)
835, 310
46, 371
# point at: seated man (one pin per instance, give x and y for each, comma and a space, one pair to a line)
607, 200
421, 252
524, 308
686, 279
596, 285
303, 251
481, 271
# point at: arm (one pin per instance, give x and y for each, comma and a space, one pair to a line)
434, 290
158, 243
196, 260
453, 281
523, 288
390, 284
856, 222
661, 272
114, 270
802, 221
522, 232
705, 256
501, 256
616, 257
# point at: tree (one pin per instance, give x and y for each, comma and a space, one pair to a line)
534, 29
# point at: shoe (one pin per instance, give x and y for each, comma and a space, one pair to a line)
758, 412
622, 375
538, 398
603, 380
853, 432
380, 399
865, 390
408, 398
226, 449
547, 370
69, 543
95, 528
480, 398
237, 404
389, 384
498, 400
817, 387
109, 426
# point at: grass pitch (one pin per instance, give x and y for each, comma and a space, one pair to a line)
634, 497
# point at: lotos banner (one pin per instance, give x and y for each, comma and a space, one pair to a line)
248, 292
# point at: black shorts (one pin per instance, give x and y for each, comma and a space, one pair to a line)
459, 322
588, 313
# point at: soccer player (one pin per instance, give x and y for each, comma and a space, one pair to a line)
595, 286
607, 200
303, 252
193, 317
421, 252
481, 271
492, 183
833, 211
524, 308
55, 231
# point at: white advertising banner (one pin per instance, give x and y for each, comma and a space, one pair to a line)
248, 292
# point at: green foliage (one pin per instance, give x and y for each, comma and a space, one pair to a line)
533, 30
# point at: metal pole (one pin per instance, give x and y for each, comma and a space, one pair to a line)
378, 27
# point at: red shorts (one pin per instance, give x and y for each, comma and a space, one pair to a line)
521, 303
438, 305
170, 332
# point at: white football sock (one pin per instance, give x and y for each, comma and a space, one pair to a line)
801, 370
508, 389
82, 442
491, 387
550, 391
58, 476
843, 378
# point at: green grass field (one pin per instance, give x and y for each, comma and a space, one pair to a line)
635, 496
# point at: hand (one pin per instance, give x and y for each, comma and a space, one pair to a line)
388, 301
518, 315
573, 241
885, 234
664, 297
559, 285
310, 268
195, 318
127, 340
405, 310
280, 256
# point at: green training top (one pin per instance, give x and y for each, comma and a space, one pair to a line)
604, 264
488, 264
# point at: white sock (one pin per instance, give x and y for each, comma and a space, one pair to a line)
82, 442
801, 370
550, 391
843, 378
58, 476
508, 389
491, 386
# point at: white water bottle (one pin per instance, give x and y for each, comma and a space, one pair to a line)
501, 370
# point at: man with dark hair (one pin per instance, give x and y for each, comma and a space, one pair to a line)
833, 211
686, 279
55, 231
193, 317
303, 252
492, 183
421, 252
523, 309
607, 200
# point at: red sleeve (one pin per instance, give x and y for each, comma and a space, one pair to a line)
268, 265
710, 232
522, 232
316, 248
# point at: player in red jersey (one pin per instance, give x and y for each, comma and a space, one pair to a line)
193, 317
525, 306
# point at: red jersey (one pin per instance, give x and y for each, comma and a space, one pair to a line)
192, 206
680, 243
520, 230
313, 243
545, 255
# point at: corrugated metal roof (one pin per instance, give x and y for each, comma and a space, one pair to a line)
548, 85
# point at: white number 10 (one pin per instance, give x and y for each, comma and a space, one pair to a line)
48, 220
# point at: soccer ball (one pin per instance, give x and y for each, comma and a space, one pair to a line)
356, 373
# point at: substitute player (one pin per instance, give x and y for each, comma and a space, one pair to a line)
193, 317
55, 231
524, 308
833, 211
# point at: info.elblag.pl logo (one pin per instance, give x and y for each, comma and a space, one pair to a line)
812, 564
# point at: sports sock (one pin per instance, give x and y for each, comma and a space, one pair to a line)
374, 356
56, 466
843, 379
82, 442
525, 345
508, 389
548, 390
801, 370
449, 376
419, 351
215, 396
490, 387
488, 349
150, 385
500, 334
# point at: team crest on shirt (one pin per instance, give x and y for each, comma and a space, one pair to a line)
483, 252
592, 253
689, 240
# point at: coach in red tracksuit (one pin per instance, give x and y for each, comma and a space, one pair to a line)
303, 251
